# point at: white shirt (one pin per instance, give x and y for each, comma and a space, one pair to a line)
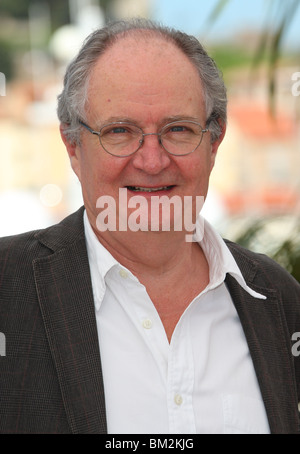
203, 381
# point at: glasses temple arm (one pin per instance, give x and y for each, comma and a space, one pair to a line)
88, 128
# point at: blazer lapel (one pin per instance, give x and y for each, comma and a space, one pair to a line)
66, 300
268, 341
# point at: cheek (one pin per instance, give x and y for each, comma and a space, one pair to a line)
208, 161
200, 167
198, 173
100, 173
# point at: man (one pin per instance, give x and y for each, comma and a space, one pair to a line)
134, 329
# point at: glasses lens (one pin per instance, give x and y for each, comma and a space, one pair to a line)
120, 139
181, 137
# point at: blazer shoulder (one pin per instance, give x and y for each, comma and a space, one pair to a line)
16, 245
41, 242
17, 253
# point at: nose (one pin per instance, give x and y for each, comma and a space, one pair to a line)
151, 157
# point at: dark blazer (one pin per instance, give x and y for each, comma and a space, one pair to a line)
51, 379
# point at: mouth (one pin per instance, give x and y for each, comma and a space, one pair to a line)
147, 189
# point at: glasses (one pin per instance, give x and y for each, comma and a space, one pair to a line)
122, 139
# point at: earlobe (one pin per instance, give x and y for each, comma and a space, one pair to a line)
215, 145
70, 146
223, 131
73, 151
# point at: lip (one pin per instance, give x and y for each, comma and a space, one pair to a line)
150, 190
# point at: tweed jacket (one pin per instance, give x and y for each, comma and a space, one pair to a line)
50, 376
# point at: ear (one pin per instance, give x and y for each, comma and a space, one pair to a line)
73, 151
215, 145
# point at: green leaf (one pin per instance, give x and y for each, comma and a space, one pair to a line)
216, 12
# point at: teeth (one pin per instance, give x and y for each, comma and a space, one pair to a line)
137, 188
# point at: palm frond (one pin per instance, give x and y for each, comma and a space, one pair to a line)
271, 38
216, 11
275, 49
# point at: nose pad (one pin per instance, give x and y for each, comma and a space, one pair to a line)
152, 158
142, 140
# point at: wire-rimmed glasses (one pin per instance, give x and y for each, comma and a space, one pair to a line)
122, 139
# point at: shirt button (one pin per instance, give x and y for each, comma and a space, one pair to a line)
147, 323
123, 273
178, 399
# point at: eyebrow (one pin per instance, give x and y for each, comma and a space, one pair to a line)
163, 122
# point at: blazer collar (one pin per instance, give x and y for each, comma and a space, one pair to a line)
68, 231
66, 299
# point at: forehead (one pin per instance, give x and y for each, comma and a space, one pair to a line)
144, 69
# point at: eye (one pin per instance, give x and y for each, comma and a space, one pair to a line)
115, 130
118, 130
117, 134
177, 128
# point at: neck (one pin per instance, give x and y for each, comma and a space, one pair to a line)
149, 253
172, 270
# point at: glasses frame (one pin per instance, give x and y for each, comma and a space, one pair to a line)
141, 142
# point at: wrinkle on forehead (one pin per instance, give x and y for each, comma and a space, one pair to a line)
143, 72
143, 54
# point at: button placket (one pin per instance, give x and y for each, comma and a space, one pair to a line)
178, 399
123, 273
147, 323
180, 381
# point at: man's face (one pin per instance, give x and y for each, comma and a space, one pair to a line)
148, 82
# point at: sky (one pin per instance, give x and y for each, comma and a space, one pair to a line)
191, 16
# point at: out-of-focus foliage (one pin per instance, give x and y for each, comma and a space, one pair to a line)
16, 8
19, 9
59, 9
284, 245
13, 44
6, 63
279, 16
284, 248
230, 57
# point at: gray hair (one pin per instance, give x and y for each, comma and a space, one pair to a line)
72, 100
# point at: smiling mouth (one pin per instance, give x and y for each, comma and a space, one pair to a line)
142, 189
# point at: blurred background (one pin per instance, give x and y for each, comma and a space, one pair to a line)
255, 187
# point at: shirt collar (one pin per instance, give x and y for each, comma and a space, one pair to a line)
105, 261
219, 257
100, 260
